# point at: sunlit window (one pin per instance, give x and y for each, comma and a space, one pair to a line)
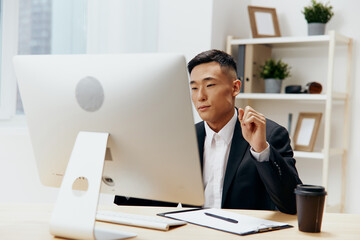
51, 27
72, 27
1, 23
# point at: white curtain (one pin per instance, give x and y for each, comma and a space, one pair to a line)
122, 26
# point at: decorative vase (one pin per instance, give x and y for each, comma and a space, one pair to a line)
272, 85
316, 29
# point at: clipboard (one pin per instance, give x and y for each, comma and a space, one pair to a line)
225, 221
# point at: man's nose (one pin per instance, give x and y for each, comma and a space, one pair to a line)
202, 96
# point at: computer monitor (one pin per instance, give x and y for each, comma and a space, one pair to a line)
141, 100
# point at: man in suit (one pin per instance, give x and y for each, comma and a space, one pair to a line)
247, 161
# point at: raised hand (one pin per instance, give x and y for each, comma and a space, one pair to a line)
253, 127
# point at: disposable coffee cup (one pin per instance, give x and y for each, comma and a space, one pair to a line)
310, 201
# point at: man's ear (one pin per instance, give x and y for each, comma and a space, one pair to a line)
236, 87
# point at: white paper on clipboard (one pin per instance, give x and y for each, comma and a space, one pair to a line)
246, 224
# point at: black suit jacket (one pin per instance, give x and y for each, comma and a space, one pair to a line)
249, 184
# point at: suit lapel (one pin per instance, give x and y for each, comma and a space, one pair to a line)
237, 151
200, 133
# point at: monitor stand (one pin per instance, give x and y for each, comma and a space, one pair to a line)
75, 211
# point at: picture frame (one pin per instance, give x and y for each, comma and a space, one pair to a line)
263, 22
306, 130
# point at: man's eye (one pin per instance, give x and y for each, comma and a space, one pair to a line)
210, 85
194, 88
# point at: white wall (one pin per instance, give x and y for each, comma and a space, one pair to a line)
190, 27
184, 26
19, 181
227, 19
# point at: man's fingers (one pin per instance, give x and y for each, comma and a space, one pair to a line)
249, 114
254, 119
241, 114
250, 118
248, 111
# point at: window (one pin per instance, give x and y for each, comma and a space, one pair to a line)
51, 27
0, 36
71, 27
8, 36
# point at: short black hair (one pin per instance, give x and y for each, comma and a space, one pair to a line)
214, 55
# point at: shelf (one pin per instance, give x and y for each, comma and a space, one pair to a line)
336, 208
318, 155
312, 155
282, 96
340, 96
299, 41
336, 152
285, 96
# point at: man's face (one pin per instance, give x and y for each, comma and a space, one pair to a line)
213, 93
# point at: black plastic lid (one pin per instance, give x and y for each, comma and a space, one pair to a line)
310, 190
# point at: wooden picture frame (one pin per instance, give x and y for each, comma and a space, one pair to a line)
263, 22
306, 131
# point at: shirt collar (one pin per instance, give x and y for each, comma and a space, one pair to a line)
226, 133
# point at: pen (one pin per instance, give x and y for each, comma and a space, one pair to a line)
220, 217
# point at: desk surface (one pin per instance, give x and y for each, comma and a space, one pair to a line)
30, 221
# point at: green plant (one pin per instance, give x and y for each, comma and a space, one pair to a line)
318, 12
275, 69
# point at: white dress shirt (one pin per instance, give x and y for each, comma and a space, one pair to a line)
216, 153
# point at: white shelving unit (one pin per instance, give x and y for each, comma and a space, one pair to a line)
298, 97
331, 40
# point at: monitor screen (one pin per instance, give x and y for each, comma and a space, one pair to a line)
141, 100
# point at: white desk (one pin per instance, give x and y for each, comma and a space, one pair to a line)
31, 221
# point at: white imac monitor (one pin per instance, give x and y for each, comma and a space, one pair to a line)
140, 101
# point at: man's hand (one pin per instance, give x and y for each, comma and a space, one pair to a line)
253, 127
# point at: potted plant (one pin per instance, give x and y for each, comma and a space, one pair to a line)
273, 72
317, 15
